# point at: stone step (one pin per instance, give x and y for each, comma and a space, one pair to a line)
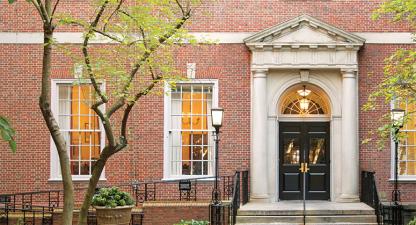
332, 219
306, 224
317, 213
308, 212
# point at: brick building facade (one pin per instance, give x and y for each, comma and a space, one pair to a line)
229, 67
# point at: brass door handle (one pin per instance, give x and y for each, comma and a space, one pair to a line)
301, 169
304, 168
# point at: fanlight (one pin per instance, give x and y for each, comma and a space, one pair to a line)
303, 102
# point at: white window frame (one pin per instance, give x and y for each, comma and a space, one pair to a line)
402, 178
55, 169
167, 117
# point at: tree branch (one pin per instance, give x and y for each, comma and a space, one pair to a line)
37, 7
180, 7
108, 35
93, 25
43, 11
112, 14
54, 9
130, 105
150, 50
117, 105
107, 126
144, 58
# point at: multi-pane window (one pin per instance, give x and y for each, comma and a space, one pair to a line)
80, 126
190, 134
407, 147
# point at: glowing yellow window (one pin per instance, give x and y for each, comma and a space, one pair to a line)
190, 136
80, 126
407, 147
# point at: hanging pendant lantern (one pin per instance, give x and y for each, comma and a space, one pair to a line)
304, 102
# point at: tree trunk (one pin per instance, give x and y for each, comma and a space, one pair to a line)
92, 185
44, 104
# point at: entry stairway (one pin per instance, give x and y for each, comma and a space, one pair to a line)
317, 213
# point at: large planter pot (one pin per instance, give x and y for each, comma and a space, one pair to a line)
120, 215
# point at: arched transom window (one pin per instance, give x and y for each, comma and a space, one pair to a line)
304, 100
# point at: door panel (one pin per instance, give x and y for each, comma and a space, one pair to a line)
306, 142
317, 182
291, 182
290, 155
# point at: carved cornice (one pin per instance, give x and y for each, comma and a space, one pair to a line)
270, 34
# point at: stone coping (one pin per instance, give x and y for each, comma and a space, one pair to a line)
140, 207
134, 210
28, 215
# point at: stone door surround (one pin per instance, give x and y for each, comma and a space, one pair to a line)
305, 43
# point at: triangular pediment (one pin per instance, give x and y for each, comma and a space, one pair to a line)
304, 31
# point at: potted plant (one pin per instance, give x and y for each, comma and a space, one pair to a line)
112, 206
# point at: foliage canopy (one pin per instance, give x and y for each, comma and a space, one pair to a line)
398, 84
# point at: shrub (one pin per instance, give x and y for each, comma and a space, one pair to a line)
112, 197
413, 222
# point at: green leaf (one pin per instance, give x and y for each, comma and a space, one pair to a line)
11, 1
7, 133
13, 146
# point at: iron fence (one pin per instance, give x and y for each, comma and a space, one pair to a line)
388, 213
28, 216
37, 207
225, 213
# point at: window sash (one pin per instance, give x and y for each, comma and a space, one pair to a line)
405, 171
175, 145
88, 127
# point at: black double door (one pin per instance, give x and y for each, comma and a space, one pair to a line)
304, 144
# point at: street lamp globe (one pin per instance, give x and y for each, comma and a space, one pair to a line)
397, 117
217, 115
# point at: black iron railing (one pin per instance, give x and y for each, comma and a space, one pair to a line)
141, 191
244, 187
27, 216
388, 213
369, 193
239, 191
235, 200
37, 207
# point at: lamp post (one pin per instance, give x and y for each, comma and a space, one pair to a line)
397, 117
217, 115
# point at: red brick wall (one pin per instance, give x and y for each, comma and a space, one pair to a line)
161, 213
229, 15
168, 215
28, 169
372, 158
